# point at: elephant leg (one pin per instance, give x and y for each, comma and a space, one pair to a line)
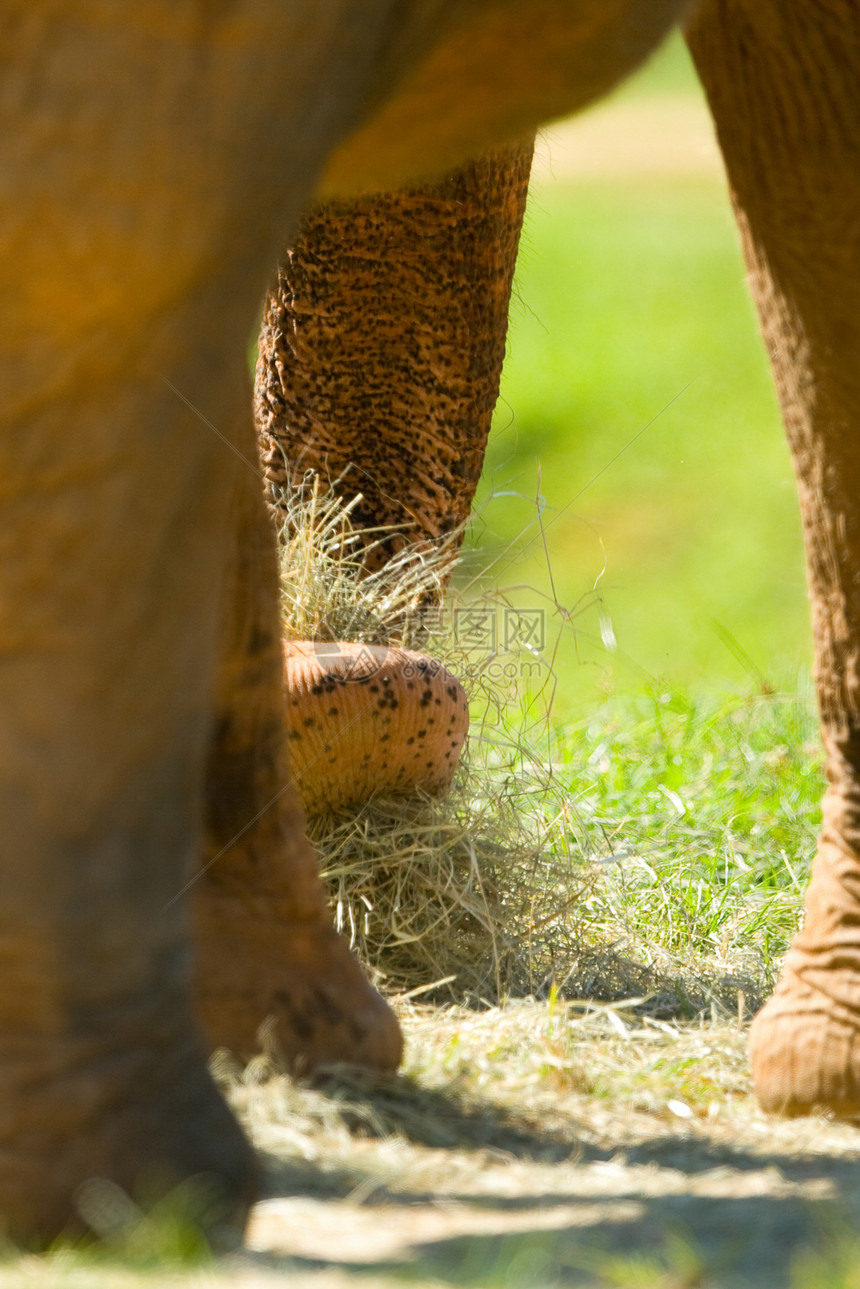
264, 940
782, 82
382, 346
105, 698
152, 157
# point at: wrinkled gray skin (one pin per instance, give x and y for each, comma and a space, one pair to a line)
155, 159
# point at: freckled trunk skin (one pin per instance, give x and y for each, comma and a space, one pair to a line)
793, 161
263, 935
382, 345
370, 720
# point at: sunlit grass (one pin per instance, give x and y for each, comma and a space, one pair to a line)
637, 402
703, 815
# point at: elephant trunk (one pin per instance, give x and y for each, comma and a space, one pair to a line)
382, 345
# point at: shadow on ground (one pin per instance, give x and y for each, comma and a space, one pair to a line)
440, 1188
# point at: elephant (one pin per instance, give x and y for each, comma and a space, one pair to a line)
157, 892
381, 349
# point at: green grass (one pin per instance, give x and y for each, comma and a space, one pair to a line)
637, 402
535, 1262
702, 815
683, 828
129, 1244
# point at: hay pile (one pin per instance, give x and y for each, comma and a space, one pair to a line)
452, 899
326, 591
486, 894
467, 897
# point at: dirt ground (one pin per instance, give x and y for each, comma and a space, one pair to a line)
596, 1142
533, 1146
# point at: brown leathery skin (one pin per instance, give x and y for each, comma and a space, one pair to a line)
265, 946
382, 343
798, 211
516, 64
370, 720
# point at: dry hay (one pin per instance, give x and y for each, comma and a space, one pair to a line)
326, 592
538, 1079
458, 898
461, 897
482, 895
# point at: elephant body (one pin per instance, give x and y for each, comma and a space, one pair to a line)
155, 159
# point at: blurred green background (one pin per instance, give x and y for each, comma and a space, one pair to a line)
637, 404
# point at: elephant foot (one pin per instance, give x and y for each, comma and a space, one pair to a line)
805, 1051
147, 1123
805, 1042
304, 977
